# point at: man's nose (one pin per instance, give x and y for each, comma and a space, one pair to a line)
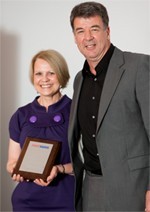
88, 35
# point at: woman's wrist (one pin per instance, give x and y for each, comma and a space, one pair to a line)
65, 169
61, 168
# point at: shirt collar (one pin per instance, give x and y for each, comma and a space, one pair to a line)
102, 65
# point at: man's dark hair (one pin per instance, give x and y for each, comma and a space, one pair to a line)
89, 9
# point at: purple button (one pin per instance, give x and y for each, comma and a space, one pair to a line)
33, 119
57, 118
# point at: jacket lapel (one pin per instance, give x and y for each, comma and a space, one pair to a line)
115, 70
77, 89
74, 105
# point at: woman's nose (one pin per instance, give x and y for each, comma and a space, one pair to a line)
45, 77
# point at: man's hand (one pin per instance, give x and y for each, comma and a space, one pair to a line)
147, 202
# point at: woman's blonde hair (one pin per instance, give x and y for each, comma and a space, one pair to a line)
56, 61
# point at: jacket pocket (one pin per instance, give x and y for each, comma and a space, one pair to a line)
139, 162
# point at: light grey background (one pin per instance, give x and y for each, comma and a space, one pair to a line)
28, 26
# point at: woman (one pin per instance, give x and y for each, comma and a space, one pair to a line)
44, 118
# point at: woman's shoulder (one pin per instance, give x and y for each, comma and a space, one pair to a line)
22, 110
68, 99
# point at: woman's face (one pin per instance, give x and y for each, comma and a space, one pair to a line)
45, 79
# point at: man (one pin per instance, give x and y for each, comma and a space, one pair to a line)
109, 119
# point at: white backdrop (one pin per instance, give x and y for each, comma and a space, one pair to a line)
28, 26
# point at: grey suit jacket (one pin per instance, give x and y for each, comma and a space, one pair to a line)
122, 132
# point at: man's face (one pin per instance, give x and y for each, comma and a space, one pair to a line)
91, 37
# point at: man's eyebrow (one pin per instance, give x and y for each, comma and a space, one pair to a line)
78, 28
95, 26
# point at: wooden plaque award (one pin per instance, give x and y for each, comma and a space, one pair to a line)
37, 158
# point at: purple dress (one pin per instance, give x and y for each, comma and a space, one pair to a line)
32, 120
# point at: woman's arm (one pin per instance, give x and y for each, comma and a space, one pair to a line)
13, 155
65, 168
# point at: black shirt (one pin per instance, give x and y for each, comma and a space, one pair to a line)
88, 109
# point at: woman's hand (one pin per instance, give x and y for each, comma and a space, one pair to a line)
53, 174
17, 178
63, 169
10, 167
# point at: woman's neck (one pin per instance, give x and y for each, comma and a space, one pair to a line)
46, 101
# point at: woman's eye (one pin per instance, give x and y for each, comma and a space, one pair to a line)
51, 73
38, 73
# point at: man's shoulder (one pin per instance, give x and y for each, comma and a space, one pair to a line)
128, 57
130, 53
78, 75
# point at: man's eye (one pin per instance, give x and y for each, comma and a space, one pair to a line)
95, 29
80, 32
